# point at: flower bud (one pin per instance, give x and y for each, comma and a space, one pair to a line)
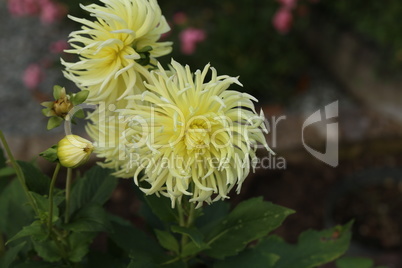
74, 151
63, 105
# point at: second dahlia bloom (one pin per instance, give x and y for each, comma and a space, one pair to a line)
190, 136
116, 48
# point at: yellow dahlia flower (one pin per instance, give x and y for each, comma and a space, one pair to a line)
106, 128
73, 151
116, 48
190, 136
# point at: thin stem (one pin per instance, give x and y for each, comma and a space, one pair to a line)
51, 188
68, 191
19, 173
171, 261
185, 219
181, 214
182, 222
191, 215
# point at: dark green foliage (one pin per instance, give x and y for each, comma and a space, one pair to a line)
313, 249
250, 220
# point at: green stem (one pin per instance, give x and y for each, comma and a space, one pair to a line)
185, 222
51, 188
68, 191
181, 214
191, 215
20, 174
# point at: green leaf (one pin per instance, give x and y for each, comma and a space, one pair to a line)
43, 205
192, 249
57, 92
145, 261
50, 154
47, 249
35, 231
6, 171
54, 122
90, 218
79, 244
211, 215
250, 220
144, 49
48, 105
10, 255
143, 251
196, 236
161, 207
131, 239
79, 114
14, 209
48, 112
79, 97
96, 186
355, 262
167, 240
3, 159
313, 249
35, 180
255, 257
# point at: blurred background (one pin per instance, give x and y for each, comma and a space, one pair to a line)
296, 57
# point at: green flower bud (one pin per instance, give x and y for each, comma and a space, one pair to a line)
73, 151
62, 106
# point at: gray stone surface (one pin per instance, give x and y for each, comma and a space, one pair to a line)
24, 40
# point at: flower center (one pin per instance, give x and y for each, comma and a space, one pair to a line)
196, 137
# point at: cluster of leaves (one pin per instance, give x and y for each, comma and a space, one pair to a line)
219, 237
29, 239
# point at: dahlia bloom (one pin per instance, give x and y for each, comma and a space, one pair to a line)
190, 136
105, 129
116, 48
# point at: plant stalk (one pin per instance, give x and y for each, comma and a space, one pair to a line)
19, 173
185, 221
68, 192
51, 190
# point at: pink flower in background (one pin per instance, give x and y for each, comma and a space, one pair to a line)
52, 11
49, 11
58, 47
189, 39
24, 7
33, 75
180, 18
283, 20
288, 3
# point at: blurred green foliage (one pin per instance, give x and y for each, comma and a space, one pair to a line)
375, 22
241, 41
